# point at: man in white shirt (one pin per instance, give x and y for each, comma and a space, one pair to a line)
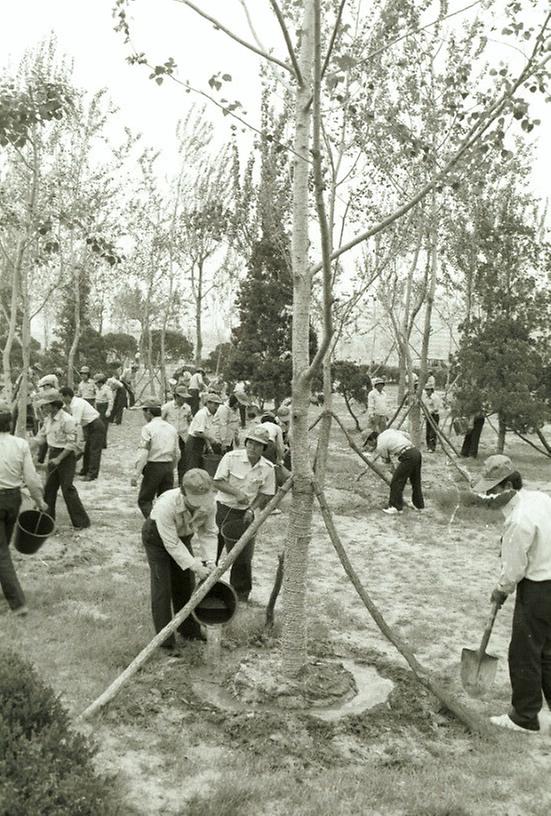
202, 435
104, 402
245, 482
526, 568
93, 429
179, 518
377, 408
395, 443
196, 386
226, 426
16, 469
86, 388
276, 449
433, 404
159, 454
64, 437
178, 413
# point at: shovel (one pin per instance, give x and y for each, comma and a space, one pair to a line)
478, 669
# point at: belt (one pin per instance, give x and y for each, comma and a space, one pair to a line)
7, 490
400, 452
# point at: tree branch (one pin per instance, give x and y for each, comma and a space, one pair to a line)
288, 43
333, 38
233, 36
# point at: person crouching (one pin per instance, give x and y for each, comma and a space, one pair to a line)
392, 443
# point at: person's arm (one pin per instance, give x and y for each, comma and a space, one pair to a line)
141, 460
32, 480
166, 527
280, 447
76, 411
110, 401
39, 439
516, 542
205, 540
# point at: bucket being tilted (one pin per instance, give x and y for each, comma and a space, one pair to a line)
218, 606
32, 529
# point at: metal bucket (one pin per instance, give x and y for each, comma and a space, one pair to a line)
211, 462
32, 530
217, 607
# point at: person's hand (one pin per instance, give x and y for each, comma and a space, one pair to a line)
55, 461
42, 506
133, 482
107, 414
498, 597
200, 570
241, 497
249, 515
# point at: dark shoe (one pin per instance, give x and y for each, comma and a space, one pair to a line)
200, 637
83, 527
89, 478
82, 473
170, 651
21, 611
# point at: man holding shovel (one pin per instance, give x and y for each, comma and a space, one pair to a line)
526, 568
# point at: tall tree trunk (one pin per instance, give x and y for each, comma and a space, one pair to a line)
415, 415
199, 315
149, 363
502, 430
300, 522
26, 355
162, 361
76, 337
12, 326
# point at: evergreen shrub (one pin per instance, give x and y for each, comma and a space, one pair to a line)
45, 767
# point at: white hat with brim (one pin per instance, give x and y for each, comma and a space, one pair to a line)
47, 397
378, 381
495, 469
211, 397
258, 434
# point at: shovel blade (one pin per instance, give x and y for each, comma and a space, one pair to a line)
477, 672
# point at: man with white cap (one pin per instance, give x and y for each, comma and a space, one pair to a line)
64, 437
245, 482
526, 568
159, 454
202, 434
180, 518
377, 408
86, 388
433, 404
178, 413
16, 469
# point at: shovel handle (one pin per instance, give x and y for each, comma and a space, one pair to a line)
488, 629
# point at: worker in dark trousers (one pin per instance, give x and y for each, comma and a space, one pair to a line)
178, 413
202, 432
104, 402
433, 406
196, 387
86, 388
65, 440
93, 429
526, 570
472, 437
395, 443
16, 469
159, 454
181, 524
245, 482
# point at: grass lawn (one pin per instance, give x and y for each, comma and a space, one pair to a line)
180, 743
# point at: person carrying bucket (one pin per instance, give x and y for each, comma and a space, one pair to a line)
64, 437
16, 469
245, 482
179, 517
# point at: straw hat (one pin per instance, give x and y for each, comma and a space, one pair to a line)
495, 469
259, 434
212, 397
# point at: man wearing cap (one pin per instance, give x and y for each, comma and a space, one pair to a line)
196, 385
226, 426
395, 443
104, 402
178, 413
159, 454
64, 437
433, 405
245, 482
128, 380
201, 435
16, 469
240, 391
180, 517
46, 382
93, 429
377, 408
526, 568
86, 388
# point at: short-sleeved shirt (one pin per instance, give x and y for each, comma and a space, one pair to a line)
87, 389
16, 465
104, 394
82, 411
251, 479
376, 403
179, 416
392, 442
61, 431
160, 439
202, 422
225, 425
433, 403
196, 381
